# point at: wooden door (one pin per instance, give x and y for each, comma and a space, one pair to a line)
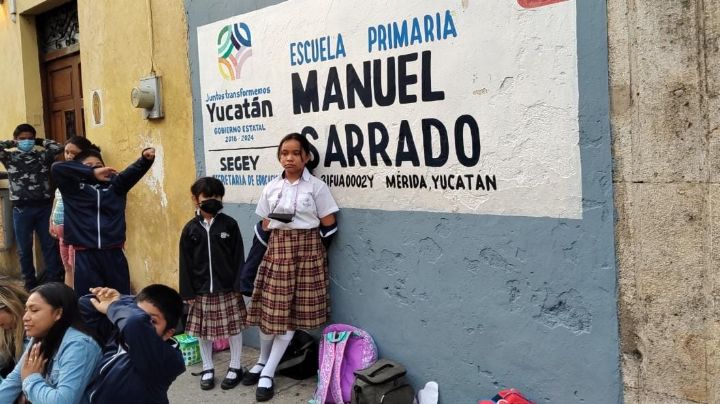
64, 113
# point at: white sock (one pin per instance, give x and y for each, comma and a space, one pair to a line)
266, 343
280, 344
206, 355
235, 354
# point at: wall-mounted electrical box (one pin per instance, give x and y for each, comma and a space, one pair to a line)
148, 97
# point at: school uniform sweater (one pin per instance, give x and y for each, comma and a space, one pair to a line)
210, 258
245, 283
94, 210
137, 366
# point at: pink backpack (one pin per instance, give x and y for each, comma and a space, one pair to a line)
343, 350
221, 345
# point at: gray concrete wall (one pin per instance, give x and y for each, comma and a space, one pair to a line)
480, 302
664, 83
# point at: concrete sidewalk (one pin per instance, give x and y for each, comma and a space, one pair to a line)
186, 388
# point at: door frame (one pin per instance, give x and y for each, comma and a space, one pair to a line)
45, 60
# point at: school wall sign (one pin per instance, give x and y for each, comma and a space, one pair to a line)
466, 107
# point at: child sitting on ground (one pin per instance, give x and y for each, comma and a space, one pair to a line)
139, 360
211, 256
94, 198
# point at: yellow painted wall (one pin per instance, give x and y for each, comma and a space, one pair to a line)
116, 50
21, 99
20, 79
13, 106
13, 101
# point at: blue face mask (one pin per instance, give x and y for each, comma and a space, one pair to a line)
26, 145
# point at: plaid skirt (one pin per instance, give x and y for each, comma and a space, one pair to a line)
291, 287
216, 315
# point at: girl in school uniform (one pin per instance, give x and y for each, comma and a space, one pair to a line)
211, 256
291, 286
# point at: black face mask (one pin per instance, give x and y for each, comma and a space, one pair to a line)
211, 206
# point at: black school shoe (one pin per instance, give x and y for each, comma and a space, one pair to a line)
251, 379
265, 393
228, 383
207, 384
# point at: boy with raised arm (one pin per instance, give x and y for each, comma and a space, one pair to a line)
27, 160
94, 198
139, 360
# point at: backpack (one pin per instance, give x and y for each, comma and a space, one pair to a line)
382, 383
222, 344
508, 396
343, 350
300, 360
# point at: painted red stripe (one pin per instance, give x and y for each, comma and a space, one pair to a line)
537, 3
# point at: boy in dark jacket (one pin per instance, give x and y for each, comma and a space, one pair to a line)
27, 160
95, 197
211, 256
140, 360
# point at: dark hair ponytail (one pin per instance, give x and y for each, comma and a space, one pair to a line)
82, 143
306, 146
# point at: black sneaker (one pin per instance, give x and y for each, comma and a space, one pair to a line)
265, 393
228, 383
207, 384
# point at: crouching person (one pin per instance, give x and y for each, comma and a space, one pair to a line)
140, 360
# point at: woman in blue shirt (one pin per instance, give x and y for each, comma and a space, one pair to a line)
60, 358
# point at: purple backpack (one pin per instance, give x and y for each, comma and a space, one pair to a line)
343, 350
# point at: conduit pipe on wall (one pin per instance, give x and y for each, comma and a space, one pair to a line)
12, 8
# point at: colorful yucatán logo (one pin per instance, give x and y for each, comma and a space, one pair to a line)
234, 49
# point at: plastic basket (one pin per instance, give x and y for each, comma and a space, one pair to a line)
190, 348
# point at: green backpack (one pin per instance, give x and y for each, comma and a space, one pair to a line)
382, 383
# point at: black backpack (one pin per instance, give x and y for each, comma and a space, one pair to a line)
300, 360
382, 383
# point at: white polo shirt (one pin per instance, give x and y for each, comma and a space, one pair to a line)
308, 197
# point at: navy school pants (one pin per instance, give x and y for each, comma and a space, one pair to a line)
101, 268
